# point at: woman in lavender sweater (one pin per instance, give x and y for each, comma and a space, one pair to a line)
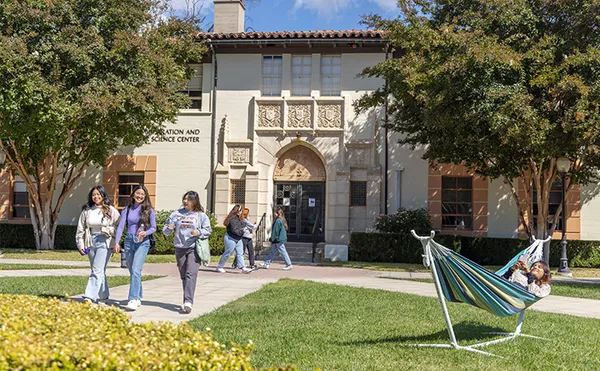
141, 223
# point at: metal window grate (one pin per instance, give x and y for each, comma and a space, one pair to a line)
126, 183
238, 191
358, 193
457, 202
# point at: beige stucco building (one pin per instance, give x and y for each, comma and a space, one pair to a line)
273, 123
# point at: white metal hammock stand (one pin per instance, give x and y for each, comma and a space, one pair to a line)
427, 259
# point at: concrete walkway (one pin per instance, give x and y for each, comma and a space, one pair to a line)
163, 296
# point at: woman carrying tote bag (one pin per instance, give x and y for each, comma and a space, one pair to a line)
192, 227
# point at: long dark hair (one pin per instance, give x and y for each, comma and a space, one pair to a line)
233, 213
547, 277
105, 201
146, 204
195, 199
281, 217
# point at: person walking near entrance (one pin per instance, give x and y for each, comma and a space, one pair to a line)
95, 237
247, 238
278, 239
189, 224
140, 218
233, 240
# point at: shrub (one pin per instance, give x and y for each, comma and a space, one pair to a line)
403, 248
20, 236
403, 221
46, 333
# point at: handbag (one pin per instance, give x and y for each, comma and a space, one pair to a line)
151, 238
202, 249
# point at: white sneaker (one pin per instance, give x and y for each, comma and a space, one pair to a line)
246, 270
265, 266
220, 270
187, 307
287, 267
133, 305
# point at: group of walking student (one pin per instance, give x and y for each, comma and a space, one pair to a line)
101, 227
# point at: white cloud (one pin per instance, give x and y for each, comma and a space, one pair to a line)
331, 7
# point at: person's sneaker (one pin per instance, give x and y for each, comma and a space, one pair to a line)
264, 265
220, 270
133, 305
87, 301
287, 267
187, 307
103, 302
246, 270
233, 265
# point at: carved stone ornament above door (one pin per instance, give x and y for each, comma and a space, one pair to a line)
330, 116
269, 115
299, 164
299, 116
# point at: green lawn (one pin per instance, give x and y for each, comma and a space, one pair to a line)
55, 286
343, 328
560, 288
12, 267
70, 255
404, 267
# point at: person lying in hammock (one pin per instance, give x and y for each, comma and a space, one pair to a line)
535, 279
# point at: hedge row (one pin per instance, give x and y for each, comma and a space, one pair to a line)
20, 236
42, 334
402, 248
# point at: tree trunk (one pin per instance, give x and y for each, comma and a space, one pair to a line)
44, 228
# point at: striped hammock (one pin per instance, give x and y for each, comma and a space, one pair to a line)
462, 280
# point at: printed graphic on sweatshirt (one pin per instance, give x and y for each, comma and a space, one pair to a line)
188, 222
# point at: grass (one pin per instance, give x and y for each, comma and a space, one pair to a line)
70, 255
560, 288
11, 267
405, 267
55, 286
333, 327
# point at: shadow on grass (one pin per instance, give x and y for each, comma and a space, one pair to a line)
463, 331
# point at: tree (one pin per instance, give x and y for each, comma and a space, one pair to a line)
504, 87
79, 79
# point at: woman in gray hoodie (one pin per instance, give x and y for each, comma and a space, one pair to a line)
189, 224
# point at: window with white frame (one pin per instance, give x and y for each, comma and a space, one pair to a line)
301, 72
331, 75
20, 199
194, 86
272, 67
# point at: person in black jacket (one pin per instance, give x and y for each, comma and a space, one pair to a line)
233, 240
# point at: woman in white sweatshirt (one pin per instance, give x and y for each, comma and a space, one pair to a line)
95, 237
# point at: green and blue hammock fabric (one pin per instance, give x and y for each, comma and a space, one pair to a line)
462, 280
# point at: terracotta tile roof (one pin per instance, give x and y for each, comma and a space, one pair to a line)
325, 34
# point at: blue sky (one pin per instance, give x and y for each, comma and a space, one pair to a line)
304, 15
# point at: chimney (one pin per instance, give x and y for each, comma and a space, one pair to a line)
229, 16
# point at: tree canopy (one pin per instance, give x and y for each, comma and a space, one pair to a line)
79, 79
505, 87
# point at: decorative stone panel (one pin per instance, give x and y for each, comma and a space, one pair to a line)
359, 156
330, 116
269, 115
239, 155
299, 116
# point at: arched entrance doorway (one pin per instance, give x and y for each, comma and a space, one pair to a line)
299, 178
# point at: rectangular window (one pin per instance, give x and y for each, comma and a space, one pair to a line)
272, 67
20, 201
194, 86
457, 202
301, 73
238, 191
358, 193
554, 200
331, 75
127, 181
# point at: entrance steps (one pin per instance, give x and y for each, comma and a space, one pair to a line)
298, 251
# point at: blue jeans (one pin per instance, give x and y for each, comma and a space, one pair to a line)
279, 246
230, 245
99, 255
135, 253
